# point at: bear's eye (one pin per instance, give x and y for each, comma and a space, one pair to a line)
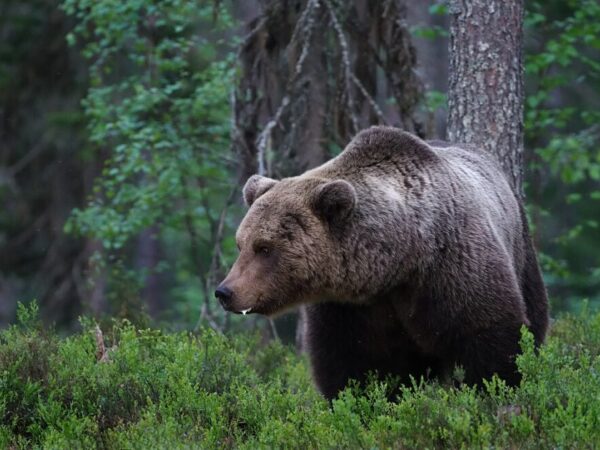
263, 250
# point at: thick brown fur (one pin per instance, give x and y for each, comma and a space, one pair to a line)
411, 258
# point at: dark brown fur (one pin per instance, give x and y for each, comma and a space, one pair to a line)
411, 258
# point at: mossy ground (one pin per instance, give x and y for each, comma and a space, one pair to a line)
160, 390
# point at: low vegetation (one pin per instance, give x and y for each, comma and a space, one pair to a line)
132, 388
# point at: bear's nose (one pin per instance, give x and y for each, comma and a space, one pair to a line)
224, 295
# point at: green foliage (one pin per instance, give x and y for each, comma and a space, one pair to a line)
435, 100
573, 156
432, 32
157, 103
438, 9
158, 109
561, 127
214, 391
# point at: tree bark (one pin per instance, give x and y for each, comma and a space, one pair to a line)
485, 96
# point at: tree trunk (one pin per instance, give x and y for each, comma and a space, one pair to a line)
485, 97
313, 74
148, 254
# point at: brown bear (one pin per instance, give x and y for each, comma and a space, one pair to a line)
411, 258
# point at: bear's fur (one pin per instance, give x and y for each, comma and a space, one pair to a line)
411, 258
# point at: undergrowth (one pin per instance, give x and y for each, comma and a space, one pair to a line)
149, 389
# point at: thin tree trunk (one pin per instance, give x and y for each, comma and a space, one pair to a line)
485, 97
147, 256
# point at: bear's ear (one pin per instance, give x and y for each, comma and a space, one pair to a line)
255, 187
334, 201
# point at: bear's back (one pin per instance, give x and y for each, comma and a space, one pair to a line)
485, 194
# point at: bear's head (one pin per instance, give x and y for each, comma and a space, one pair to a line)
288, 244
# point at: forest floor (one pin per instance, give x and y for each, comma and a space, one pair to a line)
131, 388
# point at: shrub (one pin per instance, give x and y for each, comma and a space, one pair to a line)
150, 389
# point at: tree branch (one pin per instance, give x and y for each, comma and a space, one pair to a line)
370, 99
264, 139
348, 76
205, 313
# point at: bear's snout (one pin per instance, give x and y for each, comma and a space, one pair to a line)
224, 295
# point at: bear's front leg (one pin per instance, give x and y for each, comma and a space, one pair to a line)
346, 342
336, 345
489, 351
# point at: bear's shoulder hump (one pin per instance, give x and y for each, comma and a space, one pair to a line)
380, 143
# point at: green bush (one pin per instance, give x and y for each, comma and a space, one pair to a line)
149, 389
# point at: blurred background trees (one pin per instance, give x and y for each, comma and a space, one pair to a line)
127, 128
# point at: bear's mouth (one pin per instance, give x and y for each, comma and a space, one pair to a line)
262, 306
242, 312
258, 308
